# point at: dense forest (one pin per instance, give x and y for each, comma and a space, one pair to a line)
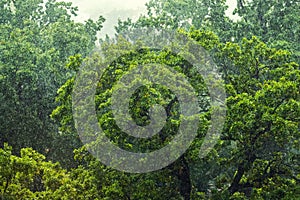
43, 52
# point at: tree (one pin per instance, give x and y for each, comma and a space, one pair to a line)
263, 119
30, 176
260, 140
36, 40
183, 14
274, 22
140, 102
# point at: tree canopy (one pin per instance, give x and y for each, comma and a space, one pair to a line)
44, 53
36, 40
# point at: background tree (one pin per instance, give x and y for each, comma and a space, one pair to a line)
200, 14
274, 22
36, 40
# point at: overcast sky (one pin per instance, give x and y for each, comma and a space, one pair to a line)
111, 10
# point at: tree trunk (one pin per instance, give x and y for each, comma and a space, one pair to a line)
234, 187
185, 186
242, 168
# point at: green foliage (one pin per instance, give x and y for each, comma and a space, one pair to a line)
185, 14
36, 40
27, 176
140, 102
262, 118
257, 156
275, 22
260, 139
